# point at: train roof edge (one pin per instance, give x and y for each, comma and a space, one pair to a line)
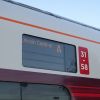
49, 13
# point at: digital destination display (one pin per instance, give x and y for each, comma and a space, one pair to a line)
44, 44
42, 53
47, 54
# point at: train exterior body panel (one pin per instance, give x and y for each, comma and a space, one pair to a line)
38, 47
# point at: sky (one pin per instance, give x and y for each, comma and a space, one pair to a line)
84, 11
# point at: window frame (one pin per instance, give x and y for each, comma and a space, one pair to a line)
64, 44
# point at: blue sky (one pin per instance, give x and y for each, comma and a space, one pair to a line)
84, 11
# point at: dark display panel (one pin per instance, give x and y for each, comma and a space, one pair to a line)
46, 54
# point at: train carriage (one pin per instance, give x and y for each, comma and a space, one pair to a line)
44, 56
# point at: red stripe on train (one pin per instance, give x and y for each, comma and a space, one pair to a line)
86, 94
83, 87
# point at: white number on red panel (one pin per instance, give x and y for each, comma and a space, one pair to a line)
83, 60
83, 54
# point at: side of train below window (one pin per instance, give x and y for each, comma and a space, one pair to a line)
83, 60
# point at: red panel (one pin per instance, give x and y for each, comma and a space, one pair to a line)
83, 60
80, 88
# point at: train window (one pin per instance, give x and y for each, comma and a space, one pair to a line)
24, 91
44, 92
70, 58
46, 54
9, 91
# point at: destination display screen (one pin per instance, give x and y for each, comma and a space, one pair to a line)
43, 53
